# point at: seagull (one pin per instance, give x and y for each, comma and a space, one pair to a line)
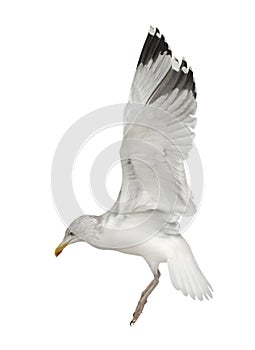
155, 194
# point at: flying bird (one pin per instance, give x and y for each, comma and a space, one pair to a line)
155, 194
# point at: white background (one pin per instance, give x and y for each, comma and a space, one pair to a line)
61, 60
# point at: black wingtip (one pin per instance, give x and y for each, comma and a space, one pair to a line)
184, 64
154, 45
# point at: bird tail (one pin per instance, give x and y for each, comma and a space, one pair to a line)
185, 273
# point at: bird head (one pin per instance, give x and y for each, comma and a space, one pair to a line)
82, 229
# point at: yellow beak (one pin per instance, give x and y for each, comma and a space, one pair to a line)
60, 247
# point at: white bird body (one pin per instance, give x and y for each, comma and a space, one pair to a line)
155, 250
155, 195
166, 246
184, 272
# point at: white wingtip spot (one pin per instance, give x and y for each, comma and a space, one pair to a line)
152, 30
175, 64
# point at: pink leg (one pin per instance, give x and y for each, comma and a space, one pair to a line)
143, 299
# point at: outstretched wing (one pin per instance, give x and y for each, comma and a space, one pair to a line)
158, 136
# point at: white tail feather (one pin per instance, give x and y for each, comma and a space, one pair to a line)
185, 273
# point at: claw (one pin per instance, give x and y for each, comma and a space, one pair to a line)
132, 322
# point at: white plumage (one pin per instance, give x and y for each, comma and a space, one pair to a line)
158, 135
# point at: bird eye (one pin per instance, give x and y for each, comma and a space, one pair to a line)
71, 234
